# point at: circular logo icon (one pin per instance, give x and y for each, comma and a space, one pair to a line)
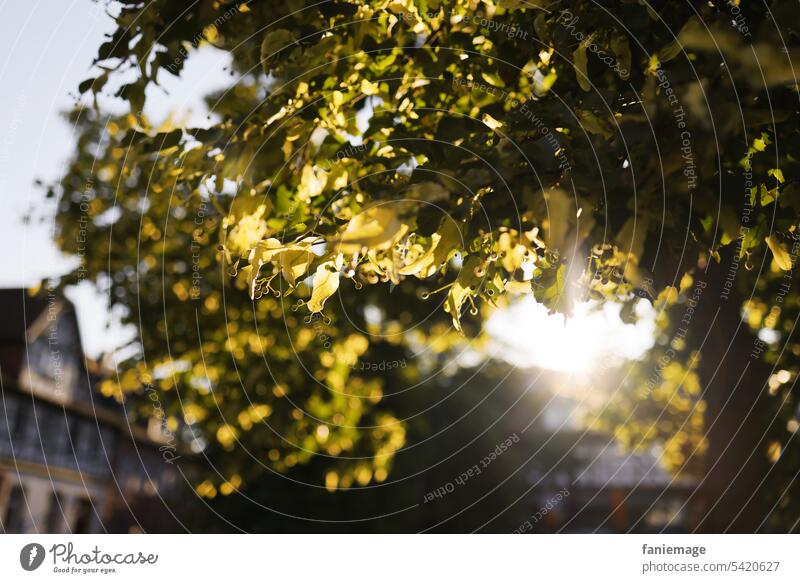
31, 556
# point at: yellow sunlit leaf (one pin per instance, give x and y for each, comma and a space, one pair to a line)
518, 287
491, 122
422, 264
377, 228
461, 290
211, 33
560, 217
368, 88
294, 263
312, 183
782, 257
451, 241
326, 282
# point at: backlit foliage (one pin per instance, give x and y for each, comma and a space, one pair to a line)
499, 154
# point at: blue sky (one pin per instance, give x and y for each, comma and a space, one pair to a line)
44, 54
46, 50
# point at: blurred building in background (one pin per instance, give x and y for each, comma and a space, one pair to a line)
70, 460
596, 486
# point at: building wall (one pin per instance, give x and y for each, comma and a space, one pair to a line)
32, 503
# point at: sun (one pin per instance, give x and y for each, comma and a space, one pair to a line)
527, 336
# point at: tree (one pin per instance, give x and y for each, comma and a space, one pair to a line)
569, 150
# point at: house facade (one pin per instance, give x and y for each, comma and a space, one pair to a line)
70, 459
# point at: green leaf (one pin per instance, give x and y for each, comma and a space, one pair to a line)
622, 49
581, 64
274, 42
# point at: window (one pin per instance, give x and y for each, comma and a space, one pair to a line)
18, 425
84, 517
16, 512
8, 419
55, 514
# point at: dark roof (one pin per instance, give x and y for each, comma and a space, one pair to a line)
18, 311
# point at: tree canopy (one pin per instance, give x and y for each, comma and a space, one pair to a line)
378, 176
